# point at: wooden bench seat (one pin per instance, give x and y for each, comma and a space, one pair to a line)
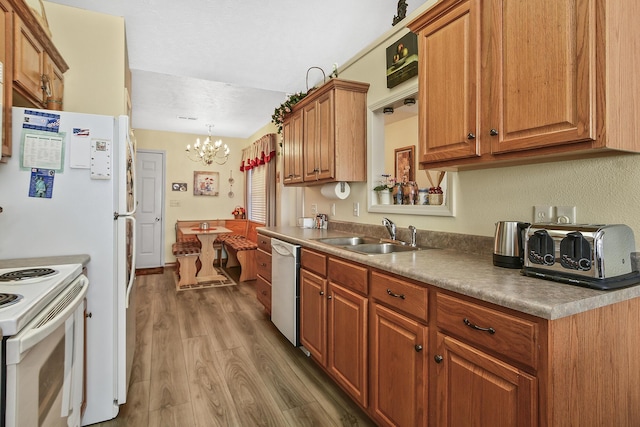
186, 254
241, 252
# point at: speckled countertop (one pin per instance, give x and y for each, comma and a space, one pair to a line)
45, 261
469, 274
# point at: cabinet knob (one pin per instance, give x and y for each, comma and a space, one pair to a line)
88, 315
263, 264
438, 358
418, 348
493, 132
329, 297
321, 292
471, 135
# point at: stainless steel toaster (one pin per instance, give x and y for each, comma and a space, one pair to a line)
592, 255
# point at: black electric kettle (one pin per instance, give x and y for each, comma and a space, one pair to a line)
508, 245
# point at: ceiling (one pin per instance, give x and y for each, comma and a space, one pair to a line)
230, 63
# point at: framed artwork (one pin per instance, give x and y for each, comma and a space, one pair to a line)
206, 183
179, 186
405, 163
402, 60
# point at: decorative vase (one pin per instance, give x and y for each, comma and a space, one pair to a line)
241, 216
384, 197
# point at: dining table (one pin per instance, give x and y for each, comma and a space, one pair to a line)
207, 237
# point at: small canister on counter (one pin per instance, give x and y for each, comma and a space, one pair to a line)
423, 196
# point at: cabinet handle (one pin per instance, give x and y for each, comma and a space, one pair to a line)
438, 358
471, 135
321, 292
493, 132
418, 348
390, 292
290, 175
264, 293
263, 264
478, 328
329, 297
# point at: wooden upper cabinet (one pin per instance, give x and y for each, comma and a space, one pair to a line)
539, 86
319, 139
28, 63
6, 46
449, 82
333, 135
292, 149
503, 82
54, 85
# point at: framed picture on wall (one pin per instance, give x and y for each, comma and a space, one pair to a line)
405, 164
206, 183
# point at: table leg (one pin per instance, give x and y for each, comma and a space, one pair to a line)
207, 255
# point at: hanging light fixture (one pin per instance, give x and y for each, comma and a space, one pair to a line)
208, 151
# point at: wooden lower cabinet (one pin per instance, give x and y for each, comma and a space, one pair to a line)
313, 315
347, 341
333, 325
398, 371
476, 389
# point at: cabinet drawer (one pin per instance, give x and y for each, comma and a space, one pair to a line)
263, 264
401, 294
263, 292
508, 335
314, 261
264, 243
350, 276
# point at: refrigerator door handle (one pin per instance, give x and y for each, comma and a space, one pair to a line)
132, 273
134, 187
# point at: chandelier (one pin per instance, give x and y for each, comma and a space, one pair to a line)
208, 151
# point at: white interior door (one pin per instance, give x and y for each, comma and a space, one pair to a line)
150, 169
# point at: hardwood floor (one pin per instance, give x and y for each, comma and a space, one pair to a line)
211, 357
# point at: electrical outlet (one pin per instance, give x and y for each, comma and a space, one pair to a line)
314, 208
542, 213
356, 209
566, 214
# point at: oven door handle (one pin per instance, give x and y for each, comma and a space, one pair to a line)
40, 332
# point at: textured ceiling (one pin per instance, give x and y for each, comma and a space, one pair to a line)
230, 63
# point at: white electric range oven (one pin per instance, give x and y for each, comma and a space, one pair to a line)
42, 325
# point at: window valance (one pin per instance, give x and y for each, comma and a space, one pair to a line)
259, 153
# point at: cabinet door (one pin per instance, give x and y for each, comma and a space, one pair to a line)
398, 369
449, 81
28, 63
54, 89
6, 43
540, 84
313, 315
347, 341
474, 388
292, 149
311, 143
325, 148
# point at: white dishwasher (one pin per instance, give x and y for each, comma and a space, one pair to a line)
285, 284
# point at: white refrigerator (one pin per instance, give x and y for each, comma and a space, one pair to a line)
69, 188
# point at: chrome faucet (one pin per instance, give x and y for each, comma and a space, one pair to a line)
391, 227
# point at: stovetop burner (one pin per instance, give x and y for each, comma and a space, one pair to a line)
27, 273
8, 299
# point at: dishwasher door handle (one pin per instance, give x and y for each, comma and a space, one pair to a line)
281, 250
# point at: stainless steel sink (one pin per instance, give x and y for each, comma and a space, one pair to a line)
346, 241
367, 245
381, 248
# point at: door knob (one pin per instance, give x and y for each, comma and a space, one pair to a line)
157, 219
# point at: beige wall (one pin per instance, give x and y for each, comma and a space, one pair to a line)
604, 190
93, 45
184, 205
